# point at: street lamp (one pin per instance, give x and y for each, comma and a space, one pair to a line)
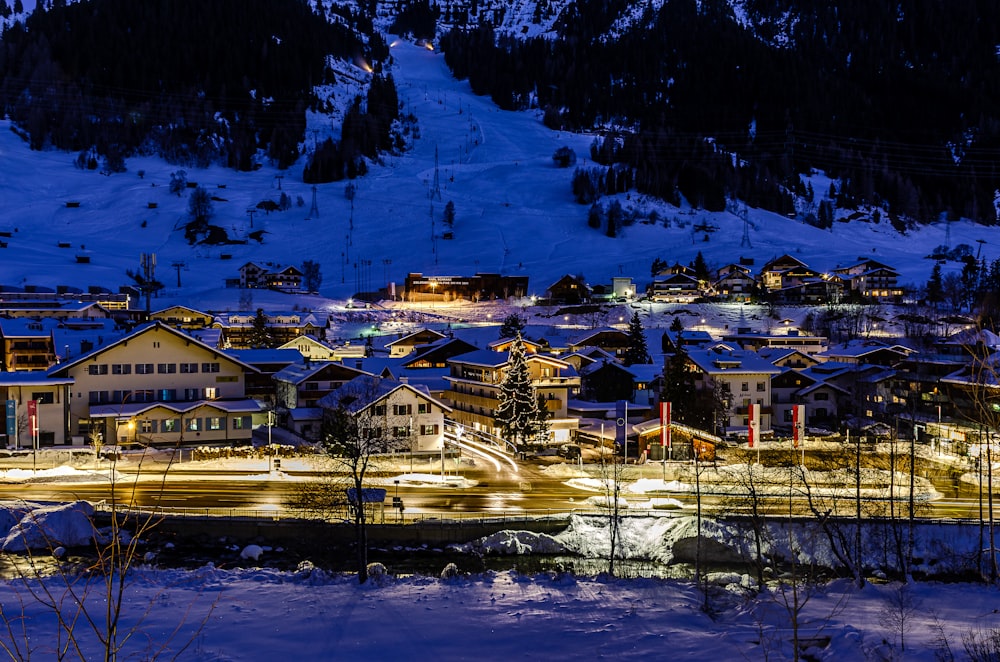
270, 422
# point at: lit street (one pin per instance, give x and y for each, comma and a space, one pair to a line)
495, 493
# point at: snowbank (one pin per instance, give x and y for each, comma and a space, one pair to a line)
48, 527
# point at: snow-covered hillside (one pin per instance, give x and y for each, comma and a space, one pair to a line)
514, 213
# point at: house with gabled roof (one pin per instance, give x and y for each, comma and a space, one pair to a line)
238, 327
569, 290
734, 282
587, 355
803, 387
160, 387
746, 377
407, 414
405, 344
776, 272
252, 275
503, 345
675, 288
286, 279
787, 357
299, 388
436, 355
613, 341
610, 381
867, 352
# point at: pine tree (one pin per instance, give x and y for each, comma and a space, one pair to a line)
678, 386
519, 414
935, 286
512, 326
700, 267
260, 332
637, 351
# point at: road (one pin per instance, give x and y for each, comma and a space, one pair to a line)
529, 492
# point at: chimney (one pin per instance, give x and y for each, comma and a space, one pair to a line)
358, 364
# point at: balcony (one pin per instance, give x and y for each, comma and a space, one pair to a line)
468, 400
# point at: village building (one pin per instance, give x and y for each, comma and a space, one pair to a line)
474, 392
411, 418
158, 386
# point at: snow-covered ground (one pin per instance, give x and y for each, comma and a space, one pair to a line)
257, 613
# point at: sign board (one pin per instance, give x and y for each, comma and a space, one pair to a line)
798, 425
32, 418
11, 418
665, 439
753, 425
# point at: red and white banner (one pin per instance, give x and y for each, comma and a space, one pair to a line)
798, 425
753, 424
665, 425
32, 417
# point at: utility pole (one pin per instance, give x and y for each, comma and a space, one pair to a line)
178, 266
250, 213
147, 263
314, 210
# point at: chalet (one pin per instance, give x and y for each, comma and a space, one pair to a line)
503, 345
613, 341
38, 344
407, 415
252, 275
610, 381
406, 344
436, 355
675, 288
160, 387
869, 352
734, 283
773, 273
796, 387
288, 279
568, 290
787, 357
54, 309
872, 281
685, 339
312, 349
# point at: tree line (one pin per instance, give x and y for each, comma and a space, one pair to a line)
898, 102
199, 83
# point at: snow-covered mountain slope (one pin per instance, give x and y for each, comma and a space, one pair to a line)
514, 212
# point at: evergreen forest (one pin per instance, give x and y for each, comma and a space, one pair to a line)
197, 82
898, 102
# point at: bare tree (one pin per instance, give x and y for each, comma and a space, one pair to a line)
901, 609
92, 602
613, 474
362, 426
